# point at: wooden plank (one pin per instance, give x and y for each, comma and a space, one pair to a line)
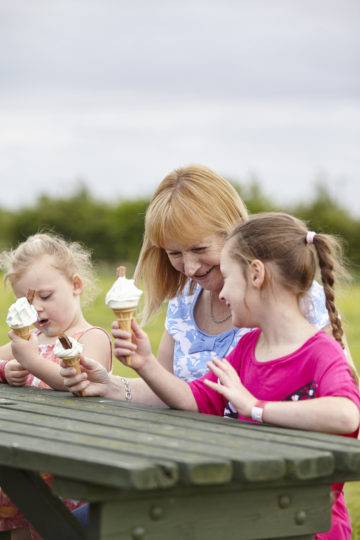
122, 471
250, 462
248, 459
275, 513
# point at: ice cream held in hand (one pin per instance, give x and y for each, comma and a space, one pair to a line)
123, 298
21, 316
69, 350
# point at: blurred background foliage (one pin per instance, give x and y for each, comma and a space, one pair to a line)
114, 230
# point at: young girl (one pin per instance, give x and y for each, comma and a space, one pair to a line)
286, 372
59, 272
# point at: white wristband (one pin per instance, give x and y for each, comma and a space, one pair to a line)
258, 410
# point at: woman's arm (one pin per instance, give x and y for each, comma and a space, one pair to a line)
165, 354
169, 388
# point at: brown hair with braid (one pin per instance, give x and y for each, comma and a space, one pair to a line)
282, 240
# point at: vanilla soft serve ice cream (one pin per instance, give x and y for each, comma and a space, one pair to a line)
21, 316
61, 352
123, 294
123, 298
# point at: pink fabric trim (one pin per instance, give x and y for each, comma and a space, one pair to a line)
2, 370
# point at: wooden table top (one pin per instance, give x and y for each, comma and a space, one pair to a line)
138, 447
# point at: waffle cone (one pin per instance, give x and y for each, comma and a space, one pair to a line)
123, 317
24, 332
73, 361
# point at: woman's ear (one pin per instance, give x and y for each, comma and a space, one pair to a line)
78, 284
257, 273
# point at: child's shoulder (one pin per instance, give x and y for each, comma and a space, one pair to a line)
92, 332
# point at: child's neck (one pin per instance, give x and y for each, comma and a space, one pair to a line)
284, 329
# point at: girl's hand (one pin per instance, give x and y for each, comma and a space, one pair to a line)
92, 380
23, 350
15, 374
231, 386
138, 348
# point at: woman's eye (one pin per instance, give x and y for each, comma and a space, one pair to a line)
199, 249
45, 296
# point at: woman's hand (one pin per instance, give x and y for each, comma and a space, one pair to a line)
23, 350
93, 379
135, 344
231, 387
15, 374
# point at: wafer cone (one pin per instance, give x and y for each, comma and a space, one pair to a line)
123, 317
24, 332
73, 361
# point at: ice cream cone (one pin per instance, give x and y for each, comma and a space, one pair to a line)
73, 361
24, 332
123, 317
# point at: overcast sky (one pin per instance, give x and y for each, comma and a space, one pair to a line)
116, 94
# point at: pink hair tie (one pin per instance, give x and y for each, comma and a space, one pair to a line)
310, 237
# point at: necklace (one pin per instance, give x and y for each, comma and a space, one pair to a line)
212, 312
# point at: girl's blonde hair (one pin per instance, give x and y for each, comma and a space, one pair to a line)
190, 204
282, 239
68, 257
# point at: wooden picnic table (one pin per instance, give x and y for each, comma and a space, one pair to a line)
158, 474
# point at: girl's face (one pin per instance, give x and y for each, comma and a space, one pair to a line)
237, 291
199, 261
56, 297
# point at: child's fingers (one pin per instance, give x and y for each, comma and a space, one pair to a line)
117, 333
215, 386
136, 328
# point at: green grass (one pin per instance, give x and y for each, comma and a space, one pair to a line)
99, 314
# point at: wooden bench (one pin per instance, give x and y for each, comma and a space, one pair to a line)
152, 473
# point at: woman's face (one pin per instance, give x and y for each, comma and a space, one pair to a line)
199, 261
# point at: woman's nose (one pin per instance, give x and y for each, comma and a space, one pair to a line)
191, 265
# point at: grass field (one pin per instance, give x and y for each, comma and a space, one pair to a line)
99, 314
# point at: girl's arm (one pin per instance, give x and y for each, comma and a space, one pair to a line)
165, 351
329, 414
27, 354
11, 371
6, 352
169, 388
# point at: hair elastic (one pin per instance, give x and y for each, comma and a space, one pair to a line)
310, 237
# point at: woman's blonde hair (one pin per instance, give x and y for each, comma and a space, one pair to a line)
190, 204
68, 257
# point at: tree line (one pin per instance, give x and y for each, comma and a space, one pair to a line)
114, 230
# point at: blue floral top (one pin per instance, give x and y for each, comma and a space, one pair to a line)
193, 348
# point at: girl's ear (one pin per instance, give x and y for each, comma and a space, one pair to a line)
77, 284
257, 273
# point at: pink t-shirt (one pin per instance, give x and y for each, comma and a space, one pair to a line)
318, 368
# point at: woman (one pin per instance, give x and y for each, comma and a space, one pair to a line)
186, 224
